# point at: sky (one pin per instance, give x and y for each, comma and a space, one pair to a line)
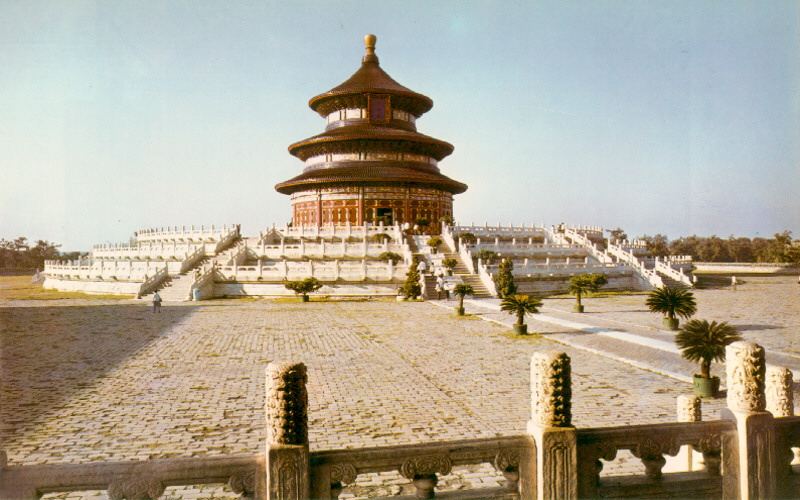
677, 117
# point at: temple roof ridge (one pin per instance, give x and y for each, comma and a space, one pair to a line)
370, 78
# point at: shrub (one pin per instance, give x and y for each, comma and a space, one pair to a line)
450, 264
504, 281
672, 302
487, 256
304, 287
390, 256
585, 283
468, 238
379, 238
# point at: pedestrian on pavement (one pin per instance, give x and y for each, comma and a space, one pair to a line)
156, 302
440, 287
422, 267
733, 282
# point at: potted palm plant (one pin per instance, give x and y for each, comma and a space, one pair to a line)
584, 283
705, 342
462, 290
520, 305
672, 302
304, 287
449, 264
434, 243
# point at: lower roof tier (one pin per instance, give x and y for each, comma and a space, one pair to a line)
371, 173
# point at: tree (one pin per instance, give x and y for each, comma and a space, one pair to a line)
467, 238
304, 287
705, 342
434, 243
616, 235
450, 264
584, 283
504, 280
411, 289
462, 290
422, 222
672, 302
520, 305
392, 257
487, 256
656, 245
379, 238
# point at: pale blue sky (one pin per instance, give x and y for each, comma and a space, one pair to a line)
657, 117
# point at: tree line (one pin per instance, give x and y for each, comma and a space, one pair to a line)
19, 254
778, 249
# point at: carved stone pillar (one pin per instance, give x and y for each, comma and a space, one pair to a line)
688, 410
287, 454
551, 428
746, 370
780, 397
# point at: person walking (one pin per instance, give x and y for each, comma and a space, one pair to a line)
439, 287
422, 267
156, 302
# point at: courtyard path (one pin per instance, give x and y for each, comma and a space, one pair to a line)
87, 380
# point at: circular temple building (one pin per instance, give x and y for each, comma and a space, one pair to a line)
370, 164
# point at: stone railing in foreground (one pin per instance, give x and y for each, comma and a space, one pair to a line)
746, 455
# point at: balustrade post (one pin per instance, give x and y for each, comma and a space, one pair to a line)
287, 456
751, 474
556, 466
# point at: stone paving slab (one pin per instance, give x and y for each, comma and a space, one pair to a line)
109, 380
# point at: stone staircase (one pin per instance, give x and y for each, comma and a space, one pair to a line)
670, 282
480, 291
177, 289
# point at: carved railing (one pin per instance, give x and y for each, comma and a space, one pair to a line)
191, 233
486, 277
151, 283
501, 231
423, 465
651, 444
666, 269
132, 479
648, 277
746, 455
227, 238
340, 231
191, 260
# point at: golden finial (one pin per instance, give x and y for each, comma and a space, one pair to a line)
369, 42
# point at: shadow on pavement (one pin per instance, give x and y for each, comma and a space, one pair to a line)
47, 354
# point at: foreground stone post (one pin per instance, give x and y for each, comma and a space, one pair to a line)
780, 397
551, 428
746, 371
287, 467
689, 410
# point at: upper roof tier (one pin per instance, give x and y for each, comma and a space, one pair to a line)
369, 79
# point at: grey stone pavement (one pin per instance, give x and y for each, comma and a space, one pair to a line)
92, 380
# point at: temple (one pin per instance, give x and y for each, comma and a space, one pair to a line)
369, 179
370, 164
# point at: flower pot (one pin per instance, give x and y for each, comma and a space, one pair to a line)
460, 311
305, 298
706, 387
670, 324
576, 308
520, 329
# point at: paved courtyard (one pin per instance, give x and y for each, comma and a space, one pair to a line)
89, 380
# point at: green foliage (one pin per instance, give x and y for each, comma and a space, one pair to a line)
520, 305
434, 242
304, 287
422, 222
585, 283
19, 254
672, 302
411, 289
468, 238
487, 256
504, 280
616, 235
779, 249
450, 263
379, 238
390, 256
462, 290
705, 342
